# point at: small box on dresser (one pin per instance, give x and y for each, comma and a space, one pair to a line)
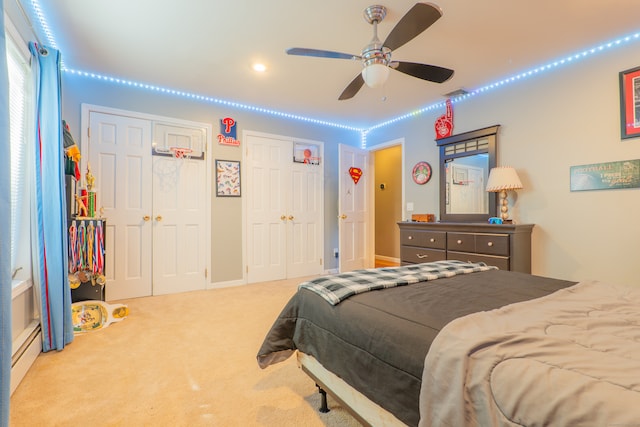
507, 246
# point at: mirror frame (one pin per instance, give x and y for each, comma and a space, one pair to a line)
489, 133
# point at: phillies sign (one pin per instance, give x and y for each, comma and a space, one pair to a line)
227, 135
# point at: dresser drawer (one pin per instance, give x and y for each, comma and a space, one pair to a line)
492, 244
418, 255
425, 239
461, 242
501, 262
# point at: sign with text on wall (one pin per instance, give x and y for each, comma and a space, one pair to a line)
606, 176
228, 132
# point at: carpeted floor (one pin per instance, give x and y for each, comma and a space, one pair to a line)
179, 360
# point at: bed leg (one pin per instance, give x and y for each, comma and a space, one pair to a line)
324, 408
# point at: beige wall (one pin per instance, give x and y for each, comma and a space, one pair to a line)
388, 202
549, 122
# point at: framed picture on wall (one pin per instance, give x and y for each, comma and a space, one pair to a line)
227, 178
630, 103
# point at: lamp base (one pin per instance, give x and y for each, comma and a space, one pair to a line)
504, 206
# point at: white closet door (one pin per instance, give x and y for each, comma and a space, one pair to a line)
155, 206
285, 211
119, 154
305, 216
268, 162
179, 211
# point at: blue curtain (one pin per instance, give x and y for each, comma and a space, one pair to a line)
49, 243
5, 232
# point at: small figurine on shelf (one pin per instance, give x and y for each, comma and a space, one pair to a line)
91, 194
82, 206
90, 178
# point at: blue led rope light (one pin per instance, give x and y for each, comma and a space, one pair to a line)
208, 99
517, 77
37, 10
363, 132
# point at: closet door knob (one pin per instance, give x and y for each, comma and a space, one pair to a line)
159, 218
343, 216
290, 217
283, 217
146, 217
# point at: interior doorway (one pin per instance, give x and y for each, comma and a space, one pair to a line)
388, 160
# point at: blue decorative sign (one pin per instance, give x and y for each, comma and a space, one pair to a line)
606, 176
227, 135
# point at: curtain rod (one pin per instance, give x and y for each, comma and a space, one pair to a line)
26, 17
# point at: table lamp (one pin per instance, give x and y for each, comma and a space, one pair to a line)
500, 180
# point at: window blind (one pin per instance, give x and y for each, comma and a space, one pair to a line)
18, 71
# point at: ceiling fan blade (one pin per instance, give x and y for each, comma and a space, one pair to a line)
431, 73
420, 17
301, 51
353, 88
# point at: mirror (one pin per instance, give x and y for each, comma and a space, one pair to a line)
465, 162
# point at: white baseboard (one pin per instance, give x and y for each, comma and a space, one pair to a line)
24, 362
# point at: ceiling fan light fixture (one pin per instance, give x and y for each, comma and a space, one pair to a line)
375, 75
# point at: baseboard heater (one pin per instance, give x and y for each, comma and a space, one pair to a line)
26, 349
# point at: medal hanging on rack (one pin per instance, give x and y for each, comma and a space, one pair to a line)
98, 265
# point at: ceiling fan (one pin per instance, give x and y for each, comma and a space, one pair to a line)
376, 56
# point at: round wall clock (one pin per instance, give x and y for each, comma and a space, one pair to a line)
421, 173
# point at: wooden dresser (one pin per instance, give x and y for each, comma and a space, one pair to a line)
507, 246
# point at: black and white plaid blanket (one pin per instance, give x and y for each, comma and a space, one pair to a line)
338, 287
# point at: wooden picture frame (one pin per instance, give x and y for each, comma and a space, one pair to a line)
630, 103
228, 178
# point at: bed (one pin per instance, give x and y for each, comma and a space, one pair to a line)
382, 353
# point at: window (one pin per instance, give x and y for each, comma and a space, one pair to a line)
19, 129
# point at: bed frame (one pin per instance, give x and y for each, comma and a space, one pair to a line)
358, 405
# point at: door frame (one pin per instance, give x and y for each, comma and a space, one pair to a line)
87, 109
245, 179
372, 150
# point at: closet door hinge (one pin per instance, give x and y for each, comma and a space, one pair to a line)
89, 132
206, 273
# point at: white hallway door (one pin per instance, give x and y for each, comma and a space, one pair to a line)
353, 212
154, 205
285, 230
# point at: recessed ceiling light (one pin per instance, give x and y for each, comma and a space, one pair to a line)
259, 67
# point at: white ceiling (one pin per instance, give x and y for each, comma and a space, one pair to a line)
207, 47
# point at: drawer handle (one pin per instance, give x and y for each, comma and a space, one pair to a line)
410, 237
459, 242
490, 244
422, 256
432, 240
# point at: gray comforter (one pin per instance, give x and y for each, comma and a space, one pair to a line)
569, 359
377, 341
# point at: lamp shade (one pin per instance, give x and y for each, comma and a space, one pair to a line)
375, 75
503, 178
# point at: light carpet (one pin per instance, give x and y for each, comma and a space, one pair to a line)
178, 360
